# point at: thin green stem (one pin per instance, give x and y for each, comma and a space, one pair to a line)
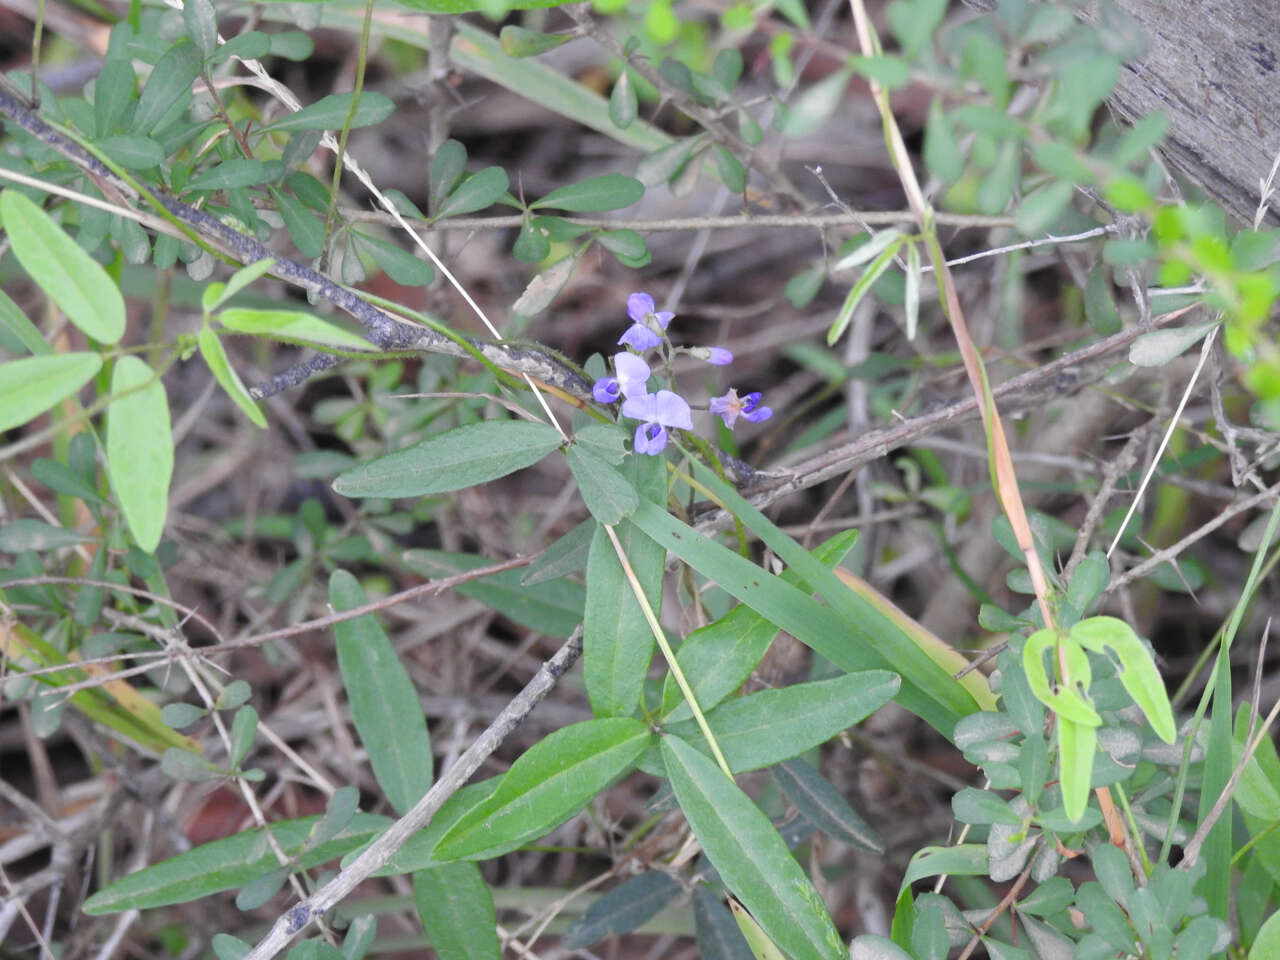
362, 58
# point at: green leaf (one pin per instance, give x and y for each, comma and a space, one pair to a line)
911, 292
133, 153
341, 806
463, 457
848, 630
397, 263
26, 533
607, 495
448, 167
306, 230
1077, 746
478, 191
26, 332
612, 191
330, 113
1099, 306
811, 107
457, 912
758, 942
942, 153
215, 355
732, 173
67, 275
1137, 668
996, 187
182, 715
717, 658
30, 386
1041, 209
242, 278
889, 72
623, 103
519, 42
61, 479
384, 703
553, 608
552, 781
719, 937
752, 859
244, 727
140, 450
253, 45
168, 90
189, 767
913, 23
292, 326
623, 243
860, 289
566, 555
237, 172
112, 91
227, 865
765, 728
627, 906
202, 24
532, 244
824, 806
1159, 347
617, 641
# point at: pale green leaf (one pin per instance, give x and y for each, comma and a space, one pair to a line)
32, 385
215, 355
139, 449
292, 326
67, 275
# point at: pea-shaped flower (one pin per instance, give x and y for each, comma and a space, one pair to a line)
647, 323
632, 375
730, 406
658, 411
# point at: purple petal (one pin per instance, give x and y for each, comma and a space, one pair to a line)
639, 337
758, 415
672, 411
726, 407
650, 438
639, 305
664, 318
633, 374
751, 401
719, 356
606, 390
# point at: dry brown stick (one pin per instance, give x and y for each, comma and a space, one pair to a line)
1171, 552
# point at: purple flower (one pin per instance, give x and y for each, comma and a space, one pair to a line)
632, 375
658, 411
730, 406
647, 323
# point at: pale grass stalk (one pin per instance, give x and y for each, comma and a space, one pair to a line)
667, 652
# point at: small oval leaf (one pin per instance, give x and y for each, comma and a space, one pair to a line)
30, 386
140, 450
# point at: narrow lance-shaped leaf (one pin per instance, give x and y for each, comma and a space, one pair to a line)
227, 864
140, 449
292, 326
384, 703
68, 276
752, 859
860, 290
551, 782
463, 457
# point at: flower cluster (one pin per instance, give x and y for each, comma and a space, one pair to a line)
664, 409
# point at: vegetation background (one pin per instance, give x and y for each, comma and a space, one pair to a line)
1132, 351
